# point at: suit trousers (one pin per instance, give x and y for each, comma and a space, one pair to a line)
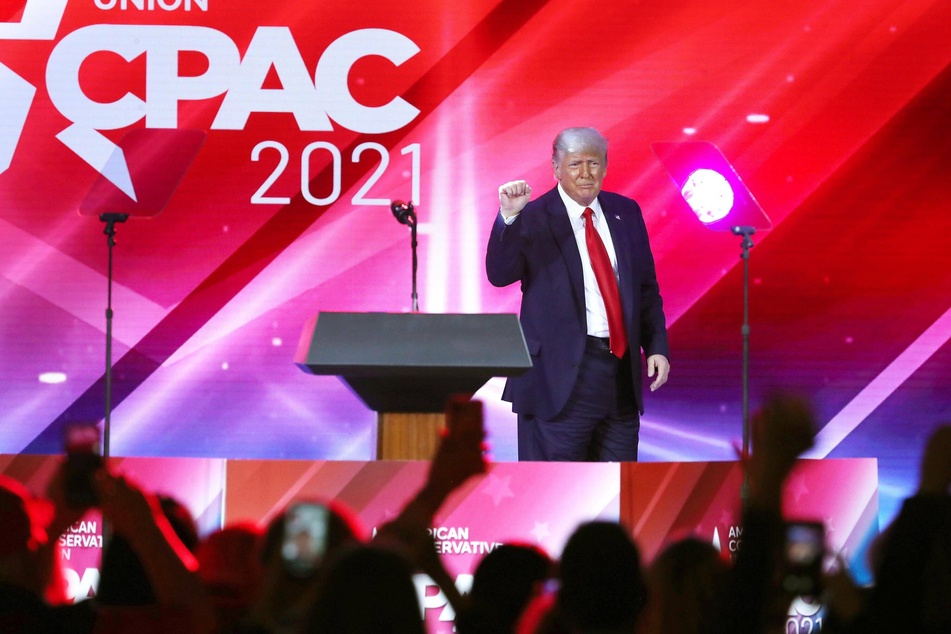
599, 423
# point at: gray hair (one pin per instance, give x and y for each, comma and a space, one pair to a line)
578, 140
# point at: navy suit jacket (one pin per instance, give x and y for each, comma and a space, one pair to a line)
539, 250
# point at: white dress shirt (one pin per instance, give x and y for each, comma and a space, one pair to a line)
595, 313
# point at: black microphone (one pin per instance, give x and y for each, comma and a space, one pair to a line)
405, 213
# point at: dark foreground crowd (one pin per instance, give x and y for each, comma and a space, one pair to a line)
157, 575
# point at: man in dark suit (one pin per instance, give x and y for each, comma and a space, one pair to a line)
582, 398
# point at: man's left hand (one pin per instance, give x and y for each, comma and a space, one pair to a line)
658, 363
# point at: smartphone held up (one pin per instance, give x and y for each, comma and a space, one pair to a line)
83, 459
804, 553
305, 537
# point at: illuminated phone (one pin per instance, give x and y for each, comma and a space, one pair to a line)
305, 537
804, 550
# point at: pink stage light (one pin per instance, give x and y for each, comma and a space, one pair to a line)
710, 186
709, 195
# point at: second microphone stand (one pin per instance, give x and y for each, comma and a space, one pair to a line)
110, 219
746, 243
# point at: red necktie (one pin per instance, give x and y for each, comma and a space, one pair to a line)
607, 283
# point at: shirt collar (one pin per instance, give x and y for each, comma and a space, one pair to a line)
574, 209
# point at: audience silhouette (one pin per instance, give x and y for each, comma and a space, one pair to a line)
240, 578
912, 562
504, 582
684, 582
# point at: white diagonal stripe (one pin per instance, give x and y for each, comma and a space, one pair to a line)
72, 286
881, 387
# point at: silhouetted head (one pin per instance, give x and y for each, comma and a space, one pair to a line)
230, 568
684, 581
363, 590
17, 530
22, 532
602, 585
503, 583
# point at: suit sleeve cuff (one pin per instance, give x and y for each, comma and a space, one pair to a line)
508, 220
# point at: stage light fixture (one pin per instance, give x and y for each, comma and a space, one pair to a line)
709, 195
708, 183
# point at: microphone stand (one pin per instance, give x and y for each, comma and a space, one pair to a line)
746, 243
412, 232
405, 214
110, 231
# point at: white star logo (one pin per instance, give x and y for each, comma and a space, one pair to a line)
40, 21
497, 488
540, 532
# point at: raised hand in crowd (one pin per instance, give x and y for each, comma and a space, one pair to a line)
179, 602
782, 430
137, 516
459, 457
753, 600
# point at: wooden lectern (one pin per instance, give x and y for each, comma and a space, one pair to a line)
404, 366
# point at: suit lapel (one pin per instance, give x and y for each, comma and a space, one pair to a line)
624, 259
565, 239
